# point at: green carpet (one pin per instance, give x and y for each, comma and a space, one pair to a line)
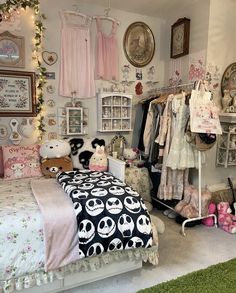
217, 278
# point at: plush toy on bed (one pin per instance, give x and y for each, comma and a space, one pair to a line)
50, 167
226, 220
55, 158
82, 149
98, 161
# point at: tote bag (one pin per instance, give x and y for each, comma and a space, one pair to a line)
204, 114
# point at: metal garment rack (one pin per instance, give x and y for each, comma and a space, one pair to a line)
200, 217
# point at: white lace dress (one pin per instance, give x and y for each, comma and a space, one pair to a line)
181, 154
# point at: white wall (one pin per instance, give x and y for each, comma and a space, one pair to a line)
221, 51
52, 43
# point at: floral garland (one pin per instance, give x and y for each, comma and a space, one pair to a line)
13, 5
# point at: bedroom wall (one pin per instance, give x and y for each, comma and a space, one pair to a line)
52, 44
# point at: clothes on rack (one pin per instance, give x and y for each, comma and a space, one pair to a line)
77, 66
107, 58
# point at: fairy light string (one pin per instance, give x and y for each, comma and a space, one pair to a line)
14, 5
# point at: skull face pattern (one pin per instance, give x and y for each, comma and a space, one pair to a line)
99, 192
95, 174
106, 227
115, 244
94, 206
79, 194
144, 224
114, 205
77, 207
149, 243
81, 254
86, 231
80, 176
126, 225
134, 242
75, 181
107, 177
118, 182
132, 204
91, 180
103, 183
69, 188
95, 249
116, 190
130, 191
143, 204
86, 186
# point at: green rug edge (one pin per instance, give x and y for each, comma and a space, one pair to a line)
216, 278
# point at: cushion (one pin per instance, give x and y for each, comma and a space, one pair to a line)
82, 150
1, 163
21, 161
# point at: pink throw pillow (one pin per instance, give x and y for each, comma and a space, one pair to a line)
1, 163
21, 161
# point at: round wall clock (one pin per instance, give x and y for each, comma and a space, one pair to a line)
139, 44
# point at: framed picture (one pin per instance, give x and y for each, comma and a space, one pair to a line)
139, 44
12, 50
228, 81
180, 32
17, 93
74, 120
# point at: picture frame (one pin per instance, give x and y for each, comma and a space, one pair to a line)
12, 50
228, 81
180, 35
17, 93
139, 44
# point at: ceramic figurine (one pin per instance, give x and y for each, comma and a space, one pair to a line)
226, 100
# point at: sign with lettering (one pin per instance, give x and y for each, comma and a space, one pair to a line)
17, 93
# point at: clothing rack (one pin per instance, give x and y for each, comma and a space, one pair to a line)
200, 217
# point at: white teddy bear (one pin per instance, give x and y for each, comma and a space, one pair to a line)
54, 148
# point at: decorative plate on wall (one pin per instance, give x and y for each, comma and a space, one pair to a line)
228, 81
139, 44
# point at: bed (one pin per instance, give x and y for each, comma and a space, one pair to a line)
22, 247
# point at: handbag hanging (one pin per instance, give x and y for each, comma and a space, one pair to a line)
204, 114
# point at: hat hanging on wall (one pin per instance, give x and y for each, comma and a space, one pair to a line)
49, 58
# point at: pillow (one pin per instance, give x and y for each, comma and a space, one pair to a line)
82, 150
21, 161
1, 163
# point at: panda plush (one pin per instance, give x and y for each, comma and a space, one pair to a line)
82, 150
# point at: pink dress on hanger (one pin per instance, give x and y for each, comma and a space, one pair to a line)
107, 59
77, 67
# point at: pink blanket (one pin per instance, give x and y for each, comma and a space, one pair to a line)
60, 226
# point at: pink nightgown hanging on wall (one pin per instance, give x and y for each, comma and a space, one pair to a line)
107, 64
77, 68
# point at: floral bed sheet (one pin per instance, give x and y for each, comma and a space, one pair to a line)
21, 230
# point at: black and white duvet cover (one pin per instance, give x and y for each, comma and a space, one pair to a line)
110, 214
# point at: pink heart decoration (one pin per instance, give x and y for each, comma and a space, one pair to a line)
49, 58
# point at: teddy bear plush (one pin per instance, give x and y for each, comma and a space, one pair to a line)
98, 161
211, 210
50, 167
226, 220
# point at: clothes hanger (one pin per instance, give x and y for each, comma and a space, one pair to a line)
106, 15
76, 12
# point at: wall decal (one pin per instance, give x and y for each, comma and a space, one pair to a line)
50, 75
51, 103
49, 58
27, 128
50, 89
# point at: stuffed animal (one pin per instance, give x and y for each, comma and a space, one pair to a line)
50, 167
130, 154
98, 161
226, 220
82, 150
211, 210
54, 148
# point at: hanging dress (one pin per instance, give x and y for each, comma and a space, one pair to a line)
181, 154
107, 59
77, 68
